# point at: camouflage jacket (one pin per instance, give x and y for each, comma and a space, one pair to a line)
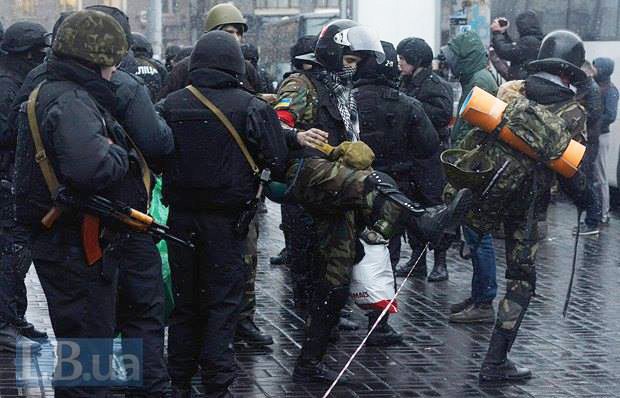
523, 178
305, 98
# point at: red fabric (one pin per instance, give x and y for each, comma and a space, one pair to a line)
286, 117
380, 305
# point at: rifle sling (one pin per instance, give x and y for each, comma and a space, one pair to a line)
40, 155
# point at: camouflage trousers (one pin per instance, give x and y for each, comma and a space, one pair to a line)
341, 204
250, 259
518, 202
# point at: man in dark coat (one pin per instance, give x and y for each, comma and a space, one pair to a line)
524, 50
419, 81
207, 183
24, 48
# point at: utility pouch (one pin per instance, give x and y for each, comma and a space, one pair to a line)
242, 225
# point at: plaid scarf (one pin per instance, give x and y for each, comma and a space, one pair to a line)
338, 83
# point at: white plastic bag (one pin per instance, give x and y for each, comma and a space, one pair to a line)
372, 279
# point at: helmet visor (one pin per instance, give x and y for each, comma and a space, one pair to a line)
361, 38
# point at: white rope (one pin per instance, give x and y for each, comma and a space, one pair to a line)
374, 326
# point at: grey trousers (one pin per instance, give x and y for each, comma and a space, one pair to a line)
600, 171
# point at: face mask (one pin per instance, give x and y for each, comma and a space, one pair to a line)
347, 72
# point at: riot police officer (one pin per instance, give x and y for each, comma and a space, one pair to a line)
24, 48
397, 129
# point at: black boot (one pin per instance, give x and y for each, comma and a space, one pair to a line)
316, 372
440, 270
11, 341
324, 316
384, 335
497, 366
27, 329
431, 225
251, 334
280, 259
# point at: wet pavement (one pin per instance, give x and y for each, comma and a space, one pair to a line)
574, 357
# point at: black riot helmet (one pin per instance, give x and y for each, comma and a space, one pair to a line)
25, 36
141, 46
561, 51
341, 37
416, 52
218, 50
388, 69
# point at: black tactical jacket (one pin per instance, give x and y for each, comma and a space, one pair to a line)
76, 129
405, 143
435, 94
207, 170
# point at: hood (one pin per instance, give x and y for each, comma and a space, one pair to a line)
528, 25
540, 88
604, 68
470, 55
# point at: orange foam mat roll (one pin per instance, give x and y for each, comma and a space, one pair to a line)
485, 111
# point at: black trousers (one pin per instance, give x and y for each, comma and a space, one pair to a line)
81, 298
15, 260
140, 307
209, 285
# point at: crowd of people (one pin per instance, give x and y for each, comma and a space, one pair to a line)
358, 143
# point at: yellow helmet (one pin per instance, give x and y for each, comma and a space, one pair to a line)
224, 14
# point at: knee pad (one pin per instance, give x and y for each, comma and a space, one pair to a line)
524, 273
512, 309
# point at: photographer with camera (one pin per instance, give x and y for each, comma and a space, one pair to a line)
524, 50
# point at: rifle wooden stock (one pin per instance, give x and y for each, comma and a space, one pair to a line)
51, 216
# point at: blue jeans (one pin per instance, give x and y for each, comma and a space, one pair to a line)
483, 281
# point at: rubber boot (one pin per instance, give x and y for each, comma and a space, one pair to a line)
324, 316
384, 335
496, 366
440, 270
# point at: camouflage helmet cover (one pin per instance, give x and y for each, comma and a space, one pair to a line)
91, 36
224, 14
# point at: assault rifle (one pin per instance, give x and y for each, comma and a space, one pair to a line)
96, 207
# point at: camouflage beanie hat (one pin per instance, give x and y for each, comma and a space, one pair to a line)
91, 36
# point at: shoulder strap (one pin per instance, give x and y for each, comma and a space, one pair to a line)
231, 129
40, 156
